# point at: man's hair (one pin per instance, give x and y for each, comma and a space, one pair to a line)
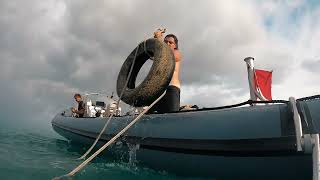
175, 39
77, 95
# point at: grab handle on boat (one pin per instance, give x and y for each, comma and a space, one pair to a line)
297, 123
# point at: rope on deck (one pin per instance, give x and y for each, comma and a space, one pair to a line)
249, 102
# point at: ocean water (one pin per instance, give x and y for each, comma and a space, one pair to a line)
29, 151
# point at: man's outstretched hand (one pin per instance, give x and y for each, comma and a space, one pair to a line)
158, 33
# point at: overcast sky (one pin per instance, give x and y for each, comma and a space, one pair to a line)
51, 49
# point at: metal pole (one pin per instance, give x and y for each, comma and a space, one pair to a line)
250, 69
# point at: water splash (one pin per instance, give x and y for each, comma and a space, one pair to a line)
133, 153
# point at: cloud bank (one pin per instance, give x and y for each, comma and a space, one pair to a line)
51, 49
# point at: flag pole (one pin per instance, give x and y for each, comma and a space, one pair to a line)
250, 69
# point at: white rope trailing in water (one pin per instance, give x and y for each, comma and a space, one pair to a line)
97, 139
84, 163
108, 121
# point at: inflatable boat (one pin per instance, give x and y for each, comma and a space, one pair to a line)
253, 142
264, 139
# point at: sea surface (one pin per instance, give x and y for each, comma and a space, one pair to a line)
36, 152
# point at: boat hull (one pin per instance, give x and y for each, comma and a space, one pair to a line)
244, 143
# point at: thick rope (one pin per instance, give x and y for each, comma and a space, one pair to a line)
309, 98
84, 163
108, 121
97, 139
117, 106
249, 102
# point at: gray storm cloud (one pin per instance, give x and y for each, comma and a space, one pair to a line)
51, 49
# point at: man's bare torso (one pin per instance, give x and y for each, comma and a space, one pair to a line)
175, 81
170, 41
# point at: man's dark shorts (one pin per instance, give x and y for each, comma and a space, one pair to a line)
170, 102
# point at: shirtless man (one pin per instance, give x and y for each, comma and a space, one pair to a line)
171, 101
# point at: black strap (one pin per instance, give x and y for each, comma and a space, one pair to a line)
309, 98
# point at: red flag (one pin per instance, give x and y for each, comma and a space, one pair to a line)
263, 81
